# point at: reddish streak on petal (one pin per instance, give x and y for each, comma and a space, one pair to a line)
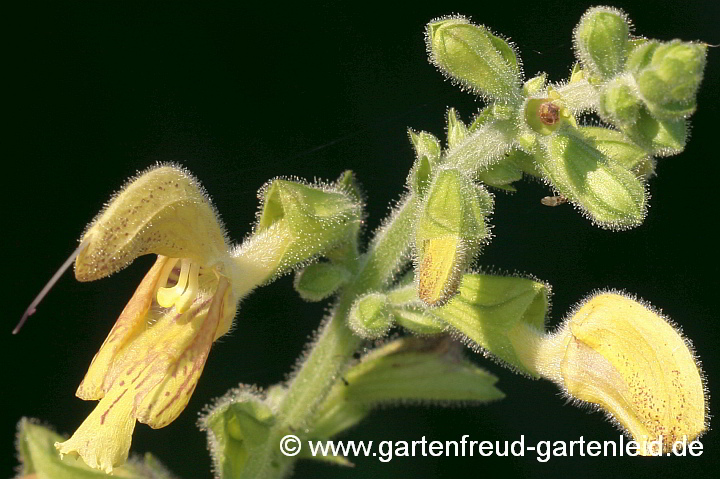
102, 418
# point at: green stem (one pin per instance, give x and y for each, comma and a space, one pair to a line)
335, 346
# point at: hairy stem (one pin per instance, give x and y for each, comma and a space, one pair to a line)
335, 345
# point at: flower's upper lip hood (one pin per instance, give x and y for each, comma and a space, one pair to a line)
163, 211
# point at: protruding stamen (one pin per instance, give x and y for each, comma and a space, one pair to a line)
31, 309
166, 297
187, 298
165, 273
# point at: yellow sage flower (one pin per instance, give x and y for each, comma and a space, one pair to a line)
623, 357
149, 365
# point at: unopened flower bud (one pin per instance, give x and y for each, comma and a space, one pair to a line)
660, 136
602, 41
450, 230
475, 58
668, 76
370, 316
608, 193
620, 101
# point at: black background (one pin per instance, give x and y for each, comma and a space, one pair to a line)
241, 93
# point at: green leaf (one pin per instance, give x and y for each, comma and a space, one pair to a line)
406, 370
36, 448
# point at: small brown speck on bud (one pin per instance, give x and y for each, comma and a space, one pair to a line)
549, 113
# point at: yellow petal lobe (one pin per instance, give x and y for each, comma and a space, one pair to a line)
629, 360
103, 439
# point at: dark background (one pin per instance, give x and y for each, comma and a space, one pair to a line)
241, 93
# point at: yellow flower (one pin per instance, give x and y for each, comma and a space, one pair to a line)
149, 365
625, 358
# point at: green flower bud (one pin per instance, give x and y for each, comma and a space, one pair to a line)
475, 58
620, 102
39, 458
298, 222
609, 194
661, 137
668, 76
621, 149
488, 311
236, 425
370, 316
405, 370
318, 281
450, 229
602, 41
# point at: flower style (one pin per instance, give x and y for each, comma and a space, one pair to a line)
149, 365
